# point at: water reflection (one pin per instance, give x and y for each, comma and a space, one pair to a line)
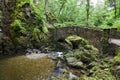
23, 68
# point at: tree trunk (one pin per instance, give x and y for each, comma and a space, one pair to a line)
115, 8
46, 1
119, 9
87, 10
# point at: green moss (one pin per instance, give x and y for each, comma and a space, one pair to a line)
102, 74
85, 55
73, 38
78, 54
76, 41
91, 47
96, 78
28, 21
117, 57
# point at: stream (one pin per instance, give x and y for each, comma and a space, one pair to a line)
32, 67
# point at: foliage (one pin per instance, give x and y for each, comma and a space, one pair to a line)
16, 31
73, 12
117, 57
100, 75
68, 15
29, 20
65, 13
117, 23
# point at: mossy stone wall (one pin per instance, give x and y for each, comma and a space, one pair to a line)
96, 36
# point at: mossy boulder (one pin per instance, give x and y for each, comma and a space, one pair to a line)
82, 54
74, 41
86, 56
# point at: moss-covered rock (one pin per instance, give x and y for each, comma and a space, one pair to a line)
115, 69
83, 54
86, 58
117, 57
91, 47
101, 74
24, 41
74, 41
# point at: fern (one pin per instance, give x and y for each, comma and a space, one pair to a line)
35, 23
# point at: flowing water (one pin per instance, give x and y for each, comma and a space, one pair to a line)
23, 68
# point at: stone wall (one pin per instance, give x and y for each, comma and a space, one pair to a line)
115, 33
97, 37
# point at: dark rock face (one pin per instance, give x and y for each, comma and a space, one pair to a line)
1, 42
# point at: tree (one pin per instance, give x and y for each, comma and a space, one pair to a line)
115, 4
87, 10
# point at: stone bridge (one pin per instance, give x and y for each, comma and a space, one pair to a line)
100, 38
106, 40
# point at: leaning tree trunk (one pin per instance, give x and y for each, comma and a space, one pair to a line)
119, 8
87, 10
115, 8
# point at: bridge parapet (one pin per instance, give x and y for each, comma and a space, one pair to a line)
96, 36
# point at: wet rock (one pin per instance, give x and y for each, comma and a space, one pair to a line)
63, 74
70, 60
56, 55
59, 73
52, 55
118, 67
59, 64
31, 51
59, 55
72, 76
79, 64
69, 54
37, 51
73, 62
36, 56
